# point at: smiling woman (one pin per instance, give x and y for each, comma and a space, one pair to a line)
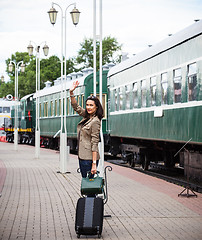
88, 131
91, 107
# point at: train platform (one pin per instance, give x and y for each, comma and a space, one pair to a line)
38, 203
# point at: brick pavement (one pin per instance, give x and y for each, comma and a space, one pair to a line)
39, 203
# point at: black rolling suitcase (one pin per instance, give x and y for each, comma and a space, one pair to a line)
89, 216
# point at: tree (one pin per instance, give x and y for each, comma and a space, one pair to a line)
110, 46
9, 88
49, 71
51, 68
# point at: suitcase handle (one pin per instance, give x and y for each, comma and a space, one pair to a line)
105, 183
89, 174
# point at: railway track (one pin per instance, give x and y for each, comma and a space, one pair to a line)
175, 175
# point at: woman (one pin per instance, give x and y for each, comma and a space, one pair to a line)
88, 132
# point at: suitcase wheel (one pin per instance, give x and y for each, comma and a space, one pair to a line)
98, 233
78, 235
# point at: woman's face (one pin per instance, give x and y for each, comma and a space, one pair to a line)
91, 107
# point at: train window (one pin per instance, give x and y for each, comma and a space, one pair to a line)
60, 107
143, 92
127, 91
76, 97
40, 110
103, 103
56, 108
121, 98
82, 101
63, 107
6, 109
109, 101
51, 109
164, 88
153, 90
1, 109
192, 82
45, 109
177, 81
78, 100
116, 99
135, 95
67, 106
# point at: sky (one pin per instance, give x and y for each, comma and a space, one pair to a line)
134, 23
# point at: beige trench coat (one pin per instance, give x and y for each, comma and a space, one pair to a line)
88, 134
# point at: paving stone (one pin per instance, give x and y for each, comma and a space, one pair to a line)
38, 203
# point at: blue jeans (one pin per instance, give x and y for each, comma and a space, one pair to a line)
85, 166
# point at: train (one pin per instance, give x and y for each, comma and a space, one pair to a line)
6, 105
152, 103
155, 110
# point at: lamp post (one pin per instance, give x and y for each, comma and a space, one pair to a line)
10, 68
101, 144
37, 127
75, 19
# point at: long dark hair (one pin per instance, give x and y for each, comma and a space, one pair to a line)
99, 113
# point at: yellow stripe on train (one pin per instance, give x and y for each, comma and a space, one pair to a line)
5, 116
19, 130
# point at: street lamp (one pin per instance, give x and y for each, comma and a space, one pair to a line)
2, 78
74, 13
45, 49
30, 49
75, 18
10, 69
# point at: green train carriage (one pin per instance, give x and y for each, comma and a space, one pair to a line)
50, 109
156, 102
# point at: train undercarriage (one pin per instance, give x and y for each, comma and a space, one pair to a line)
143, 152
23, 138
168, 154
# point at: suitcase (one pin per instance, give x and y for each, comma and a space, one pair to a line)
89, 216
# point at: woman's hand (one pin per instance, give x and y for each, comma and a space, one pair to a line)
94, 168
94, 165
74, 86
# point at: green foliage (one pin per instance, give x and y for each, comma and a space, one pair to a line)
110, 46
9, 88
6, 88
49, 71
